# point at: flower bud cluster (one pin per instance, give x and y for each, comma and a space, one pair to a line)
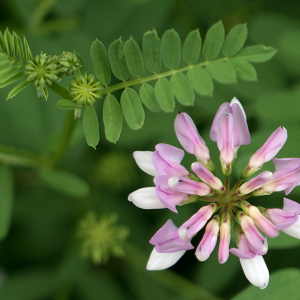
227, 207
85, 89
44, 69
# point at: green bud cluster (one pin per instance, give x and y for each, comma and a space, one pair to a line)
102, 238
85, 89
67, 63
41, 71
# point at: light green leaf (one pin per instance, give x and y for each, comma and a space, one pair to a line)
259, 53
12, 79
82, 68
244, 69
5, 66
112, 118
171, 49
192, 47
222, 72
164, 95
283, 284
117, 60
182, 89
132, 109
8, 74
68, 105
100, 62
6, 199
18, 89
235, 40
91, 126
16, 44
2, 42
3, 58
134, 58
9, 41
65, 182
27, 50
201, 81
148, 97
152, 51
20, 48
213, 41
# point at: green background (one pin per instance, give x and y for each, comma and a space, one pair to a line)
40, 258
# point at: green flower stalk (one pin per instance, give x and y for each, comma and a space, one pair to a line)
41, 71
85, 89
102, 238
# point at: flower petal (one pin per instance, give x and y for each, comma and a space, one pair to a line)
162, 261
146, 198
144, 161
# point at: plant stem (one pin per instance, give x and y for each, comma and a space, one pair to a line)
168, 278
64, 139
17, 157
125, 84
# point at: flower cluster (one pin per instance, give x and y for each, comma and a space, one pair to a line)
228, 207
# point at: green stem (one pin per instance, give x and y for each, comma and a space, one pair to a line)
64, 139
125, 84
168, 278
60, 90
17, 157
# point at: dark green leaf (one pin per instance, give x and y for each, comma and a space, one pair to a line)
134, 58
213, 41
4, 76
182, 89
65, 182
12, 79
152, 51
100, 62
259, 53
112, 118
148, 97
91, 126
5, 66
68, 105
171, 49
192, 47
201, 81
27, 50
18, 89
235, 40
132, 109
82, 68
117, 60
6, 199
222, 72
29, 285
283, 284
9, 41
244, 69
2, 42
164, 95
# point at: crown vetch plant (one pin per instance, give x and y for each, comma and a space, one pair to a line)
228, 207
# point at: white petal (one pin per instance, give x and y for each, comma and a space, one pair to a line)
256, 271
145, 198
293, 230
161, 261
144, 161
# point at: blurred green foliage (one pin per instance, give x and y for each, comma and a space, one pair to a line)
40, 257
